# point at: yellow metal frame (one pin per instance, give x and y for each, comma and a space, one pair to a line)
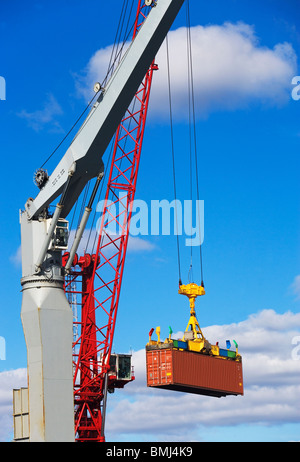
198, 342
192, 291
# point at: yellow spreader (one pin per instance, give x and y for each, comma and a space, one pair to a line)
193, 333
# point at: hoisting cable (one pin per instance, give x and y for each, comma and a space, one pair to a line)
115, 48
71, 129
115, 55
116, 42
190, 272
192, 110
173, 159
118, 52
99, 195
112, 62
111, 195
111, 65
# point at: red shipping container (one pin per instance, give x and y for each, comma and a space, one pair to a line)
192, 372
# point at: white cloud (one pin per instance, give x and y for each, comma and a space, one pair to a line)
45, 117
95, 71
271, 389
231, 70
16, 258
135, 244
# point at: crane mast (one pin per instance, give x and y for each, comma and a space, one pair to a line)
100, 274
46, 314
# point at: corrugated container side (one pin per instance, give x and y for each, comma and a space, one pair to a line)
194, 373
203, 371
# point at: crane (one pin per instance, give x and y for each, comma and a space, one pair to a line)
46, 314
106, 265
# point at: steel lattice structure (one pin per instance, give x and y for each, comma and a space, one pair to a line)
95, 280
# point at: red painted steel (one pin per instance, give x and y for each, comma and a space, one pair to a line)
101, 274
192, 372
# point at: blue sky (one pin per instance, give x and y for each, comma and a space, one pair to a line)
248, 131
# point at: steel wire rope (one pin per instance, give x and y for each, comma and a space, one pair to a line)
112, 62
117, 40
109, 70
101, 189
190, 272
192, 114
133, 102
73, 216
116, 37
126, 34
111, 65
99, 195
71, 129
173, 158
83, 202
117, 53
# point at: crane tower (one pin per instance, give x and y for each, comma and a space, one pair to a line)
46, 314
